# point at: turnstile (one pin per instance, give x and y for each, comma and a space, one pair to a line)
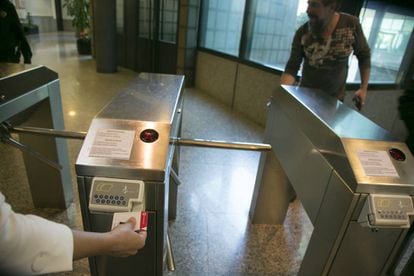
30, 95
128, 162
127, 149
354, 179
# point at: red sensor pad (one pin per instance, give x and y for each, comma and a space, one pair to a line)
149, 135
397, 154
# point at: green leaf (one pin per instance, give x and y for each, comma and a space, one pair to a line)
79, 10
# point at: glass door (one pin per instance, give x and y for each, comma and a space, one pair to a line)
156, 47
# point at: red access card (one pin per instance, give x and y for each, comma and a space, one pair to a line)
144, 221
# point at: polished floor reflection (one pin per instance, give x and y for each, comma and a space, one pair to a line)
212, 234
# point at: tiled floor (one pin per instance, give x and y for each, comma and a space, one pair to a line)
212, 234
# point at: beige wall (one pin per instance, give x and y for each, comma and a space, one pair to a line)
216, 76
244, 88
247, 89
40, 7
253, 90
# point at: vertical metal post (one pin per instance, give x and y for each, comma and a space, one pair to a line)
105, 36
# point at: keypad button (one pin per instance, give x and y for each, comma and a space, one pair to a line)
116, 197
111, 197
98, 200
100, 196
124, 202
118, 202
106, 196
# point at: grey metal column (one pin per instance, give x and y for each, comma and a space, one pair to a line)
50, 188
272, 189
270, 199
105, 36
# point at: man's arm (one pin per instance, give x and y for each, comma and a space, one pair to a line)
363, 54
295, 59
122, 241
362, 91
33, 245
18, 30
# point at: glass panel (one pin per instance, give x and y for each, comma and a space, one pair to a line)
388, 30
120, 16
169, 20
222, 25
145, 18
273, 25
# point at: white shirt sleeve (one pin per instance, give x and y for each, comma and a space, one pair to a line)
33, 245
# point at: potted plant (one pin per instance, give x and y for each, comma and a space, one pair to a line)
29, 27
79, 11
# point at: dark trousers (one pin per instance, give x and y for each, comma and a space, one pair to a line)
10, 56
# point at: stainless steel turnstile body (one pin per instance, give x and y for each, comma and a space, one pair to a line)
152, 103
30, 96
324, 148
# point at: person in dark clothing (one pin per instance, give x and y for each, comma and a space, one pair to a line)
323, 45
406, 110
13, 42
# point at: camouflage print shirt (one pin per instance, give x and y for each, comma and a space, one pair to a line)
325, 60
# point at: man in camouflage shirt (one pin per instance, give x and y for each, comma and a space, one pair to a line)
324, 45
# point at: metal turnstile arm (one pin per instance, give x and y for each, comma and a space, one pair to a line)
10, 141
49, 132
170, 255
220, 144
173, 140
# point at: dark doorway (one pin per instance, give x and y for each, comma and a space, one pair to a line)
147, 35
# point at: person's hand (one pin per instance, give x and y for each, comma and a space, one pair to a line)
361, 93
287, 79
125, 240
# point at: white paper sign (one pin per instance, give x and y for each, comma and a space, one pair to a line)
377, 163
112, 143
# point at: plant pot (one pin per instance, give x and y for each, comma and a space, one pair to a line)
84, 46
30, 29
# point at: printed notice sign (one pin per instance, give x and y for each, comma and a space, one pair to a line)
112, 143
377, 163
